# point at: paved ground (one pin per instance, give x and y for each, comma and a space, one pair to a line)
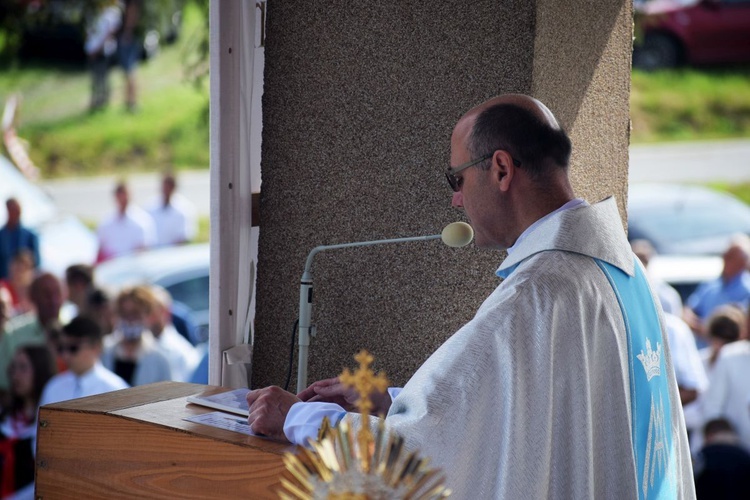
691, 162
91, 198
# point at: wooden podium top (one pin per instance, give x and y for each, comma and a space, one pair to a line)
135, 442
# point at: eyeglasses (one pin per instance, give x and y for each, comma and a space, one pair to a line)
70, 348
455, 182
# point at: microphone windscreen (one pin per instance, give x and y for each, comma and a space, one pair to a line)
457, 234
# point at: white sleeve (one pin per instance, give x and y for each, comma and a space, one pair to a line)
303, 420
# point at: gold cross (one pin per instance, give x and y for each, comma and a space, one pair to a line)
365, 382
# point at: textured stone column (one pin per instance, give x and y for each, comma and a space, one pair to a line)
359, 103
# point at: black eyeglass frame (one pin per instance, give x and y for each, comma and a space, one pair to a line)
70, 348
455, 183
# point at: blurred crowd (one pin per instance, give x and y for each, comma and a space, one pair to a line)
65, 337
710, 352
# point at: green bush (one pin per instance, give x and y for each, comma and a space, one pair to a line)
689, 104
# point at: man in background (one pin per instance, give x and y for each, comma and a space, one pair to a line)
100, 46
38, 327
732, 287
80, 346
174, 216
14, 237
128, 230
79, 279
129, 47
182, 356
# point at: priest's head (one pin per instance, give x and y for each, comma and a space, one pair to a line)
509, 167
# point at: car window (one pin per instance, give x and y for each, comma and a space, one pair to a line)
192, 292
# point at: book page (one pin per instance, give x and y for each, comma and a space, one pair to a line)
223, 421
231, 401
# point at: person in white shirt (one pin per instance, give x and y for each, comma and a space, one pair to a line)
129, 229
670, 299
182, 356
100, 46
728, 394
724, 327
80, 347
173, 215
689, 371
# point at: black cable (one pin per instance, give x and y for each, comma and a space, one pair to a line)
291, 356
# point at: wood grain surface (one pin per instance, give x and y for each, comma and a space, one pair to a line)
135, 444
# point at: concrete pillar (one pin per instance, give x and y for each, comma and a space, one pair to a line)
359, 103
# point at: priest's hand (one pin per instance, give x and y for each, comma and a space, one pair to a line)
268, 409
331, 390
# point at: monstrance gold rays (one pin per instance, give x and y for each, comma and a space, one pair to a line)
342, 465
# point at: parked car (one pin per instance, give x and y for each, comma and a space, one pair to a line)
182, 270
63, 238
673, 32
685, 220
685, 272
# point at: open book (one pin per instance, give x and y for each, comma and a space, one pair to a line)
230, 401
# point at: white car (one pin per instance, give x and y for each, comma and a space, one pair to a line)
63, 238
685, 272
680, 219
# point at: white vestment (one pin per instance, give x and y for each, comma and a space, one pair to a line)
536, 397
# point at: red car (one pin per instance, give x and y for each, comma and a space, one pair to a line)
674, 32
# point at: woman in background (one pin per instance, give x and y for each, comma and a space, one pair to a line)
132, 353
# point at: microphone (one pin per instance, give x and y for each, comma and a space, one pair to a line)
455, 234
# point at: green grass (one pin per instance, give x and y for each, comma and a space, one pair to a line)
741, 190
169, 131
690, 104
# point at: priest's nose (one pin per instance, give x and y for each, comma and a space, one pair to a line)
458, 200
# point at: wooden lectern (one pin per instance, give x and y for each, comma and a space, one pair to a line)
134, 444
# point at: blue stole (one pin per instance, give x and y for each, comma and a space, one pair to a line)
653, 444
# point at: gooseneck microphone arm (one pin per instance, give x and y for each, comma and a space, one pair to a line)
306, 330
456, 234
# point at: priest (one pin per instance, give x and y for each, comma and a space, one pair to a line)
562, 385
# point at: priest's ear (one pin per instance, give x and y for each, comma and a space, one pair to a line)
503, 169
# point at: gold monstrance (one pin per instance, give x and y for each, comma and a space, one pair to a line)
341, 465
